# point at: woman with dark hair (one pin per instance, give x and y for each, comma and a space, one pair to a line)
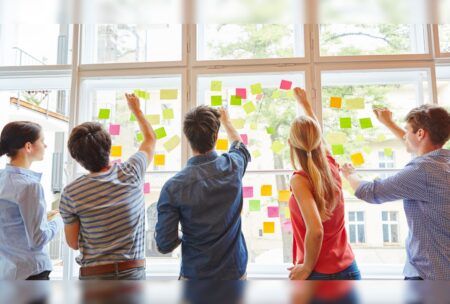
24, 225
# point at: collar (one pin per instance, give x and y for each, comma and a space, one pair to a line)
29, 173
203, 158
438, 152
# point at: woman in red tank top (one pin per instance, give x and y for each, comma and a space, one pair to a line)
320, 247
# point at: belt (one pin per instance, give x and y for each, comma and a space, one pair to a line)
110, 268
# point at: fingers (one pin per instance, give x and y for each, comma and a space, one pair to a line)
290, 268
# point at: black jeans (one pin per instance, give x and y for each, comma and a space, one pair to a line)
42, 276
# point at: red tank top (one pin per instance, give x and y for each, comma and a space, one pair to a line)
336, 253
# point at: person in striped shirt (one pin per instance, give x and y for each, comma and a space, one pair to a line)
103, 211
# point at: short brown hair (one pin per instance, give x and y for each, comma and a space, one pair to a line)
435, 120
16, 134
90, 145
201, 126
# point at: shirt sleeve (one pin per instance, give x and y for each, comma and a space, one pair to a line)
409, 183
67, 209
137, 163
32, 208
239, 152
166, 232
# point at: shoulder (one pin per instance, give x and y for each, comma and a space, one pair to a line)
300, 180
74, 184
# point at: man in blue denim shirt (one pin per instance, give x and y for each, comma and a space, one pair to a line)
206, 198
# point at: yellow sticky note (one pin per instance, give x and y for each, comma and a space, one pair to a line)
168, 94
388, 152
238, 123
159, 159
256, 154
354, 103
287, 212
168, 114
222, 144
172, 143
336, 138
116, 151
269, 227
357, 159
277, 147
336, 102
266, 190
153, 119
249, 107
284, 195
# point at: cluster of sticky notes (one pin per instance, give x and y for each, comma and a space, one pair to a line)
357, 103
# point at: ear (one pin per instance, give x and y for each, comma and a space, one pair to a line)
28, 147
420, 134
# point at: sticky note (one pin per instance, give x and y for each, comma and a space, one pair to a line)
235, 100
285, 85
247, 192
238, 123
357, 159
277, 147
284, 195
222, 144
388, 152
172, 143
244, 138
255, 205
266, 190
367, 149
269, 227
216, 101
114, 129
256, 154
168, 114
137, 92
381, 138
104, 113
256, 88
287, 226
116, 151
337, 149
241, 92
216, 86
132, 117
336, 138
360, 138
146, 188
270, 130
345, 122
287, 212
273, 211
366, 123
336, 102
160, 133
159, 159
276, 94
354, 103
168, 94
146, 95
140, 137
290, 94
249, 107
153, 119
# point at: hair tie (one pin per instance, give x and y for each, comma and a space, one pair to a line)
308, 154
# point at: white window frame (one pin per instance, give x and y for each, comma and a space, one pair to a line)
357, 223
390, 222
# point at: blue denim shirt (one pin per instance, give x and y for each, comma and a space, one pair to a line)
206, 198
24, 230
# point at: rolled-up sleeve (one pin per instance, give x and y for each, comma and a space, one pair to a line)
240, 153
166, 232
409, 183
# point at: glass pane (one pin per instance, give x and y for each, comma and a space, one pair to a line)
259, 110
117, 43
35, 44
361, 234
357, 93
385, 233
249, 41
351, 216
352, 233
443, 89
444, 38
384, 215
393, 215
394, 233
360, 216
372, 39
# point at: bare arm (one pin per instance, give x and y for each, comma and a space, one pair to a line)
348, 171
232, 133
385, 117
72, 232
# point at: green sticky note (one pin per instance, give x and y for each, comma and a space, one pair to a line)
168, 114
255, 205
172, 143
365, 123
276, 94
216, 86
235, 100
104, 113
354, 103
137, 92
140, 137
146, 95
153, 119
160, 133
216, 101
290, 94
256, 88
388, 152
132, 117
270, 130
337, 149
168, 94
249, 107
345, 122
277, 147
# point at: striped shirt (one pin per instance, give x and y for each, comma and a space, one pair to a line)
110, 208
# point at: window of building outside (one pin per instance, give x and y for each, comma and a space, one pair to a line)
390, 226
356, 227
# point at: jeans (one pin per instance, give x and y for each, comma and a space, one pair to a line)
129, 274
41, 276
350, 273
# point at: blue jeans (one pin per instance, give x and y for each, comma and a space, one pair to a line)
129, 274
350, 273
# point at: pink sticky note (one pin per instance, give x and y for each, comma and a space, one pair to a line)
273, 211
114, 129
286, 226
146, 188
116, 161
244, 138
241, 92
285, 85
247, 192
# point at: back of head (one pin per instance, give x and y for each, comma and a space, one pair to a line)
433, 119
90, 145
16, 134
307, 150
201, 127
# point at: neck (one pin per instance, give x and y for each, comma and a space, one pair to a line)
102, 170
21, 162
196, 153
427, 149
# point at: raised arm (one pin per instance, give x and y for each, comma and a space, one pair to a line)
384, 116
302, 100
148, 145
232, 133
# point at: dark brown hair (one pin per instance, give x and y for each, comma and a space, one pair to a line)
16, 134
90, 145
201, 126
433, 119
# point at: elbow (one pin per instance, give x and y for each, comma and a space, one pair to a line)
316, 233
73, 245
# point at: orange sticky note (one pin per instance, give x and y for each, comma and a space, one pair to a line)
159, 159
116, 151
284, 195
357, 159
266, 190
222, 144
269, 227
336, 102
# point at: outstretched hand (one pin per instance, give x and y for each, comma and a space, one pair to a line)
384, 115
347, 170
133, 102
224, 115
302, 99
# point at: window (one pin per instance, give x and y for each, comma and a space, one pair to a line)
444, 38
356, 227
390, 226
443, 89
386, 159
